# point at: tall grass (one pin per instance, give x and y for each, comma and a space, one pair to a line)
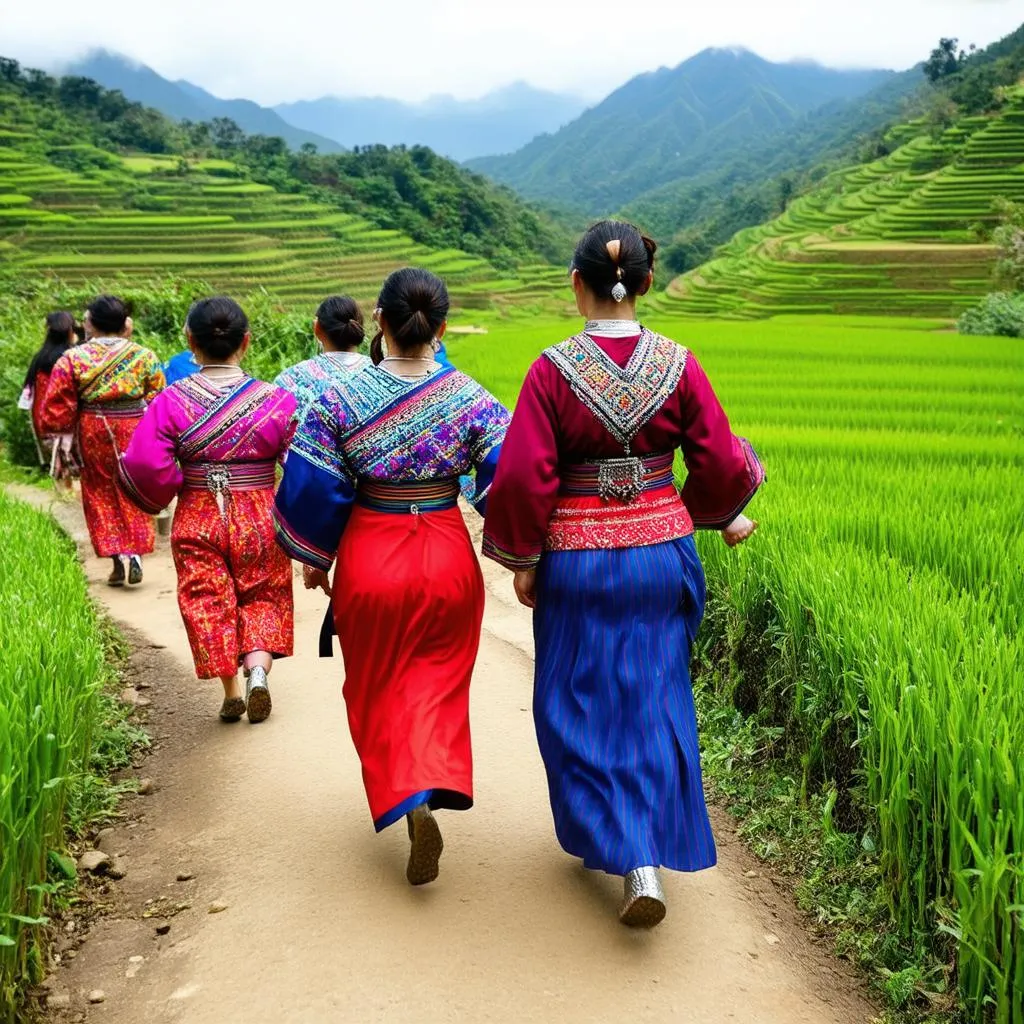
887, 580
51, 672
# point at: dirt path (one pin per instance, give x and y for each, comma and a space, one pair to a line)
320, 924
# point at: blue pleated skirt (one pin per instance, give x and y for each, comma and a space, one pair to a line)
613, 705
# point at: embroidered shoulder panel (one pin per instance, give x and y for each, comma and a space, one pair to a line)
623, 398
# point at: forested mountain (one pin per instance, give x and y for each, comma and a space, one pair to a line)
499, 122
81, 126
187, 102
672, 123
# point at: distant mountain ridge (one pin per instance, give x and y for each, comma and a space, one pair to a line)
662, 125
184, 101
501, 121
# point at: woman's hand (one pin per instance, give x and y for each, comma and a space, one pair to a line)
316, 579
525, 583
739, 530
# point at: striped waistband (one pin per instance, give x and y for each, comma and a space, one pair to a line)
624, 479
129, 408
218, 477
410, 498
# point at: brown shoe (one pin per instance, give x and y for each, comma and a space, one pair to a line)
232, 709
426, 849
116, 577
134, 571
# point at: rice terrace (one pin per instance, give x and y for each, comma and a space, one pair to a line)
849, 271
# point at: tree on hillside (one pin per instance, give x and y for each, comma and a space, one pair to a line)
945, 60
226, 134
1009, 237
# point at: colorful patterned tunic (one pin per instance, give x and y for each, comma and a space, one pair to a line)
219, 448
376, 427
308, 380
371, 480
100, 389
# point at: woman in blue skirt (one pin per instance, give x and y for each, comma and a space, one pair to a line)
584, 509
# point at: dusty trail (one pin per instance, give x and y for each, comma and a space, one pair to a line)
320, 923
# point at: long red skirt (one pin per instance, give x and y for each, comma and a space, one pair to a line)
408, 606
234, 582
116, 526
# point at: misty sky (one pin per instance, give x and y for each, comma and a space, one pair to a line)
278, 51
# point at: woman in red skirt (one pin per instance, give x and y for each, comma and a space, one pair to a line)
372, 480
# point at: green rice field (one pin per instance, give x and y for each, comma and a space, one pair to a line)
51, 674
886, 586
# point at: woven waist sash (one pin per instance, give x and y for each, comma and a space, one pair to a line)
618, 503
408, 498
129, 408
218, 477
621, 480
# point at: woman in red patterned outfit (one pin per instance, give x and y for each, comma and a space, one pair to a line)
217, 437
99, 390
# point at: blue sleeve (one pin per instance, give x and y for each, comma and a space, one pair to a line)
314, 500
490, 422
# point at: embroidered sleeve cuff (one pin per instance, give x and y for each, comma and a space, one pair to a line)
756, 476
133, 493
517, 563
298, 549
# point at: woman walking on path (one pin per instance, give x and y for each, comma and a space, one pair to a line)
372, 479
338, 327
60, 336
585, 511
100, 389
217, 437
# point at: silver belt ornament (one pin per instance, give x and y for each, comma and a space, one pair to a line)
621, 479
218, 481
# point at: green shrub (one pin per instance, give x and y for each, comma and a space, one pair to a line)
999, 314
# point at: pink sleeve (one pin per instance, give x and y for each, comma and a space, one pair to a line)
723, 471
525, 489
149, 473
60, 403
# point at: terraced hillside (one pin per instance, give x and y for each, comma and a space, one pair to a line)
141, 217
897, 236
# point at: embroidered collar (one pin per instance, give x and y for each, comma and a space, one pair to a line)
613, 328
623, 398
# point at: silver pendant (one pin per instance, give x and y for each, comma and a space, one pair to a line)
218, 480
622, 479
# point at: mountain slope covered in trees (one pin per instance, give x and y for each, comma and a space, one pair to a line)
186, 102
669, 124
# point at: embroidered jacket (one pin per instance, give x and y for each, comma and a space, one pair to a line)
594, 398
376, 427
98, 372
197, 422
307, 380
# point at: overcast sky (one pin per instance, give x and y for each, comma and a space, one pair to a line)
292, 49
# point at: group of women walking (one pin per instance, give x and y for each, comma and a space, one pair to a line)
578, 494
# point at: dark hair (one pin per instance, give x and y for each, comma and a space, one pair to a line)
341, 319
218, 326
108, 314
602, 264
58, 326
414, 302
79, 330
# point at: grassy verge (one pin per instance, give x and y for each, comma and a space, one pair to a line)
61, 735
